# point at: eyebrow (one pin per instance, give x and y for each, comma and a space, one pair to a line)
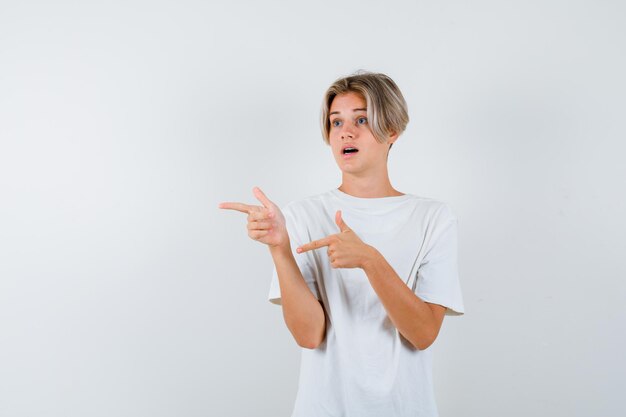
336, 112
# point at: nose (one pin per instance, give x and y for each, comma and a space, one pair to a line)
347, 132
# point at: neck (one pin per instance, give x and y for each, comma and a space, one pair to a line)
368, 187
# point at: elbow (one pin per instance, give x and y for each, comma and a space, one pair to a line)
423, 345
423, 342
313, 340
311, 343
310, 334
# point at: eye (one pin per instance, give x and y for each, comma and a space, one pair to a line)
334, 123
362, 118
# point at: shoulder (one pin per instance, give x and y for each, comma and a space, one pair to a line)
445, 213
435, 210
306, 204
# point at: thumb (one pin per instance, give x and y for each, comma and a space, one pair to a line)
260, 195
339, 220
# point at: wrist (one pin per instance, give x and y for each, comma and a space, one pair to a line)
281, 250
370, 257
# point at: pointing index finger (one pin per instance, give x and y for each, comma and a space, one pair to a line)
244, 208
316, 244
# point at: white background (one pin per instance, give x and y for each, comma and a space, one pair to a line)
125, 291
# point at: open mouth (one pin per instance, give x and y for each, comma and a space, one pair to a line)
349, 150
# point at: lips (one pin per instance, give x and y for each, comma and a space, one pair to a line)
348, 149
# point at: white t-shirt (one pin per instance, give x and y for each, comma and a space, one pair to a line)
364, 367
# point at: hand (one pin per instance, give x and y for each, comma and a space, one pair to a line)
266, 223
345, 249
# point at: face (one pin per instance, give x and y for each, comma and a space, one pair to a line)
349, 126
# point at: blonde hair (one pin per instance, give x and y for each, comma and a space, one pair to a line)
387, 111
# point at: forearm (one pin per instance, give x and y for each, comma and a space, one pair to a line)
410, 314
303, 313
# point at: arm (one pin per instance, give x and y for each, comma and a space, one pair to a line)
418, 321
303, 313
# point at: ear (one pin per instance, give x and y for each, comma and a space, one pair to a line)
392, 138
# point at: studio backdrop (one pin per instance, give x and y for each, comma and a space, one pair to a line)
125, 291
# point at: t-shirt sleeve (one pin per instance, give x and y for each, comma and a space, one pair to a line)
438, 276
297, 236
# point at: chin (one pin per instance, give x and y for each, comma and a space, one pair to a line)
351, 169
